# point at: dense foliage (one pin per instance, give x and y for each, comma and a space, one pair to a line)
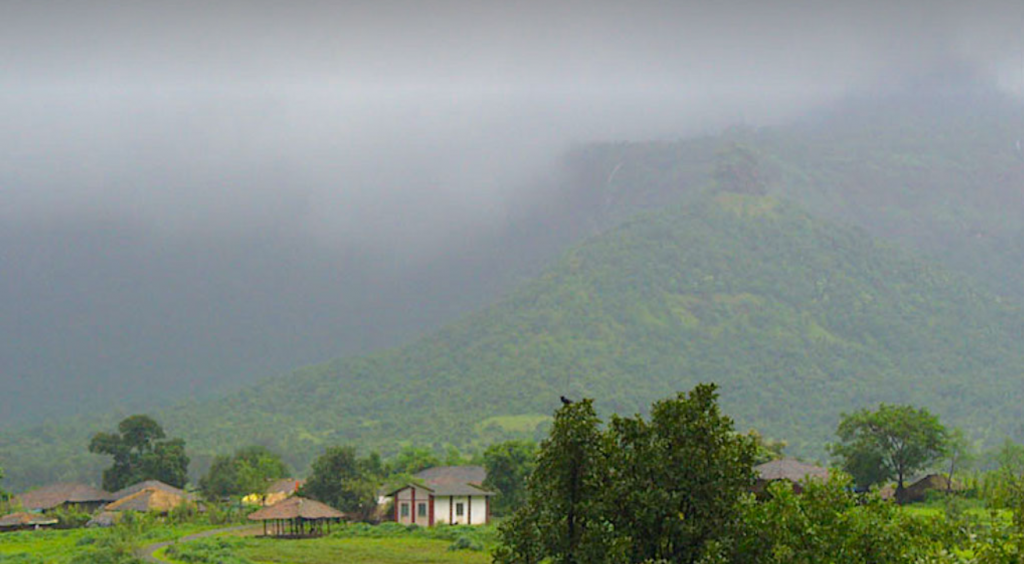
141, 453
344, 481
509, 464
664, 489
249, 470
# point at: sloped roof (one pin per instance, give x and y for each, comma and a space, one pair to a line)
296, 508
789, 469
105, 519
285, 485
25, 520
452, 480
150, 484
53, 495
149, 499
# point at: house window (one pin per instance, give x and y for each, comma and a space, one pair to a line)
421, 510
459, 509
405, 510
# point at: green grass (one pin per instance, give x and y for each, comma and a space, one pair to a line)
47, 546
65, 546
329, 549
354, 543
351, 550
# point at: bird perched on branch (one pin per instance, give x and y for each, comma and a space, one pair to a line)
565, 400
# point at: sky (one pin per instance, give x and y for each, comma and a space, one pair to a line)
386, 122
171, 171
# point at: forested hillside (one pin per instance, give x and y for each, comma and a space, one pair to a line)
796, 318
937, 167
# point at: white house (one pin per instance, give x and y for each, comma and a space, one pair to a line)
449, 495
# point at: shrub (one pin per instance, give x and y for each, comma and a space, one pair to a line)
466, 543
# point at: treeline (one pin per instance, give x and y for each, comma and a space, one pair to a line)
675, 487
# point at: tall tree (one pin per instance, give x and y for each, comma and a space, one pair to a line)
140, 454
343, 481
3, 493
509, 465
679, 477
891, 442
221, 480
565, 518
959, 454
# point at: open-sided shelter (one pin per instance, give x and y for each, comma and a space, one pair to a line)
22, 521
297, 517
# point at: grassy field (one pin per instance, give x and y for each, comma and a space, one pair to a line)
333, 550
354, 544
83, 545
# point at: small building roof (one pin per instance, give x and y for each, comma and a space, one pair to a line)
150, 484
17, 520
105, 519
789, 469
296, 508
148, 499
285, 485
451, 480
54, 495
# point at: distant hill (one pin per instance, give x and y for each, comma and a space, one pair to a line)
97, 315
939, 170
796, 318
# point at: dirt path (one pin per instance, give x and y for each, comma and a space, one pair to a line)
146, 552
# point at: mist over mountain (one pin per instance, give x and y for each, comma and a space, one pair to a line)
195, 197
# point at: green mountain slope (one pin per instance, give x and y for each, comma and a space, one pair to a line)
939, 171
797, 319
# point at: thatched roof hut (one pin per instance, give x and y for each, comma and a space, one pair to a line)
149, 499
49, 497
152, 484
19, 521
105, 519
932, 482
788, 469
296, 516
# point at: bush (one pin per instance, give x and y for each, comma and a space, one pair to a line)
466, 543
208, 551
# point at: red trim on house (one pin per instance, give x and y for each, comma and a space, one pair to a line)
397, 503
413, 505
451, 509
469, 510
431, 510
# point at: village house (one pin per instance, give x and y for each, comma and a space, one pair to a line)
793, 471
450, 495
79, 497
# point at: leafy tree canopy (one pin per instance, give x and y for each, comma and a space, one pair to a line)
891, 442
411, 460
509, 465
664, 489
344, 481
140, 453
249, 470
